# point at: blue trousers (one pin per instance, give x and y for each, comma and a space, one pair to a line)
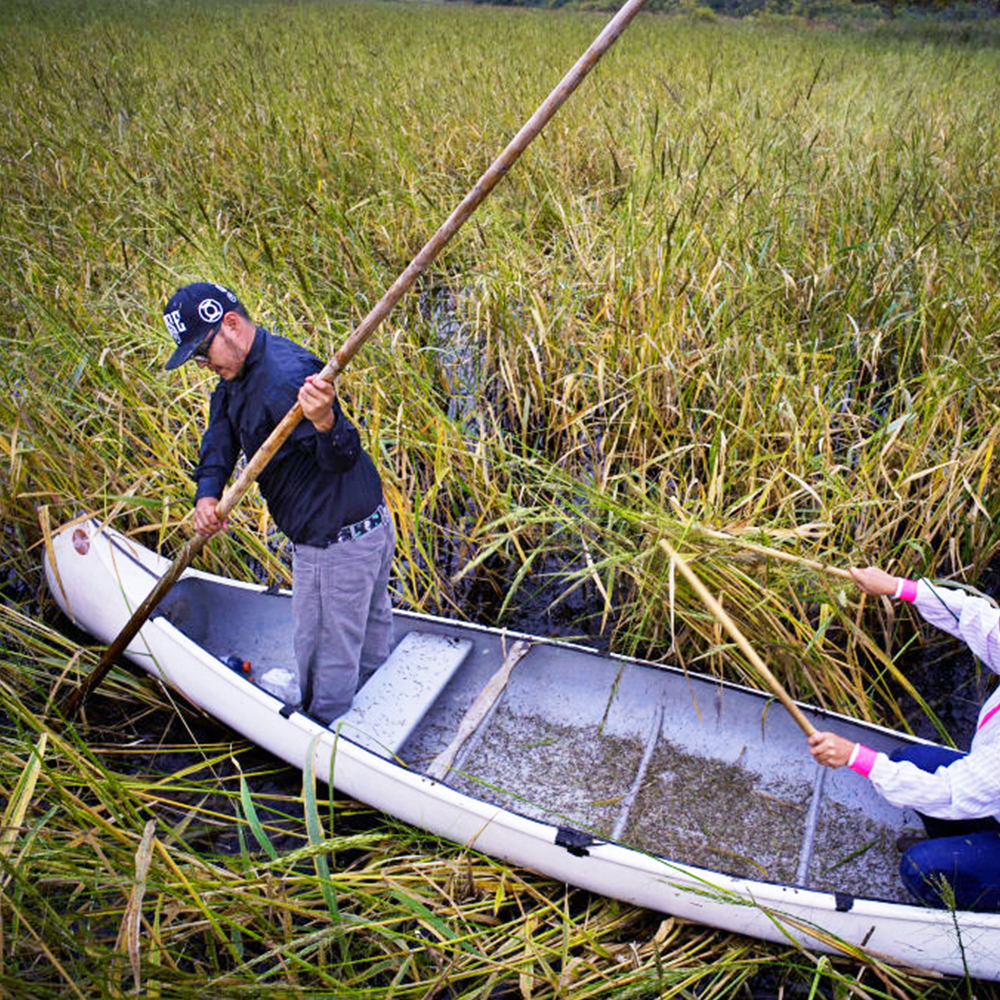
964, 854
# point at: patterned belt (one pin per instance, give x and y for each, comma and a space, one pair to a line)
352, 531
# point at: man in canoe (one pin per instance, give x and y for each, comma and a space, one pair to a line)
956, 794
321, 487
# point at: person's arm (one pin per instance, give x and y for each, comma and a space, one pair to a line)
968, 788
974, 620
335, 441
219, 450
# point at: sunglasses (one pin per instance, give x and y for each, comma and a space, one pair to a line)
200, 354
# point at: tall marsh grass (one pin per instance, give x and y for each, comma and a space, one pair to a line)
744, 280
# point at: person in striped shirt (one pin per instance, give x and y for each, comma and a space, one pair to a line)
957, 794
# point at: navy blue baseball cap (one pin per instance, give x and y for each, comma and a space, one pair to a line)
191, 314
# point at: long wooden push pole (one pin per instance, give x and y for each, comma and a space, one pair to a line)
235, 492
730, 626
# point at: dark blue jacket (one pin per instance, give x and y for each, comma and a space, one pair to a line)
316, 483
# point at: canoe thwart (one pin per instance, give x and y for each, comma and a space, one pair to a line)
809, 834
640, 776
397, 696
478, 711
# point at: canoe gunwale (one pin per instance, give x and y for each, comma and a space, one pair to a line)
770, 910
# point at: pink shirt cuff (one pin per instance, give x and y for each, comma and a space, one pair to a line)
862, 759
906, 590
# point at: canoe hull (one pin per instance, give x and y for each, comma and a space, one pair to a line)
102, 575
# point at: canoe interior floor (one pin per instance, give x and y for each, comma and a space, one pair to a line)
570, 753
714, 814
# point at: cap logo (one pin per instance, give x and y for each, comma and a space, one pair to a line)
210, 310
175, 325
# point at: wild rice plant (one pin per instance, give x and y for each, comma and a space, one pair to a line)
743, 281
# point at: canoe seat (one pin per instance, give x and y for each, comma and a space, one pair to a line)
397, 696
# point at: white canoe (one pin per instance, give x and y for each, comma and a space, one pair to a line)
667, 789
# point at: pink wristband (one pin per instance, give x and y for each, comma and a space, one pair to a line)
863, 760
907, 589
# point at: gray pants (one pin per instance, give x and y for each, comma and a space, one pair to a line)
342, 617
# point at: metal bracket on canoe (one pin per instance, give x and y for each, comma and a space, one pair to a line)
575, 841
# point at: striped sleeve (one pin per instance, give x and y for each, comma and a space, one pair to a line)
972, 619
969, 788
